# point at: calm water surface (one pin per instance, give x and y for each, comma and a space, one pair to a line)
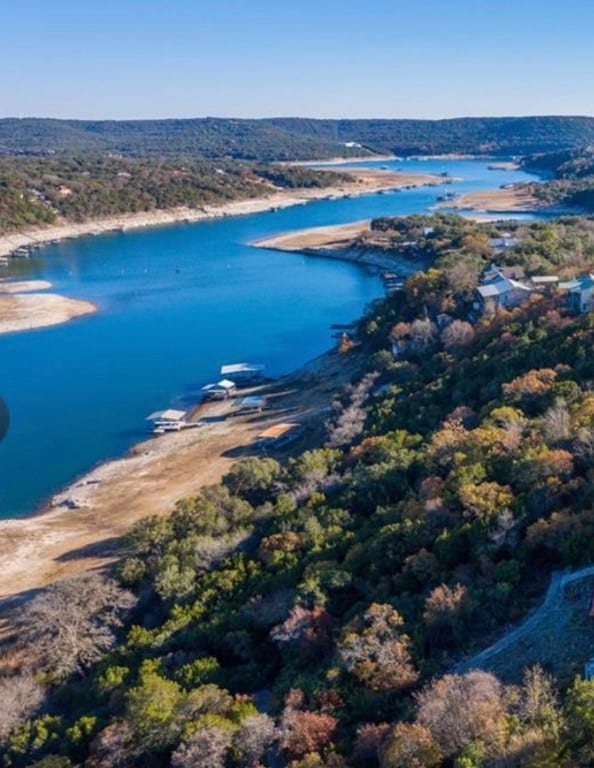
175, 303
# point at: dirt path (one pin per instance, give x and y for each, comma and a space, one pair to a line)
558, 634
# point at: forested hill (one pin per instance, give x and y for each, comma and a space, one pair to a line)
295, 138
572, 182
307, 611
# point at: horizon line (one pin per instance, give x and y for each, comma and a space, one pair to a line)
299, 117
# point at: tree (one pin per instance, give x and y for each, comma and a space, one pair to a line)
539, 705
457, 335
20, 697
207, 747
423, 332
306, 632
579, 721
350, 419
252, 477
253, 737
446, 609
112, 747
72, 623
410, 745
376, 651
304, 732
154, 710
459, 709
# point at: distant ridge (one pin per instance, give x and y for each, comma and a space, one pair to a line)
291, 138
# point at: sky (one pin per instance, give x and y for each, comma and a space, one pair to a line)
99, 59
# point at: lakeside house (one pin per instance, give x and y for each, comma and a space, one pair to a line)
502, 288
580, 293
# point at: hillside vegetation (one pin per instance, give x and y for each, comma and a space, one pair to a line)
42, 190
295, 138
572, 182
307, 611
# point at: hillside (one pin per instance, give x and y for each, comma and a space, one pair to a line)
310, 609
572, 178
74, 188
295, 138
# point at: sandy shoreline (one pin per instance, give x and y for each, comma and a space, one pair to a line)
510, 200
334, 236
80, 531
80, 528
37, 310
365, 181
23, 307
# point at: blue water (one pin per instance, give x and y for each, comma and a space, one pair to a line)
175, 303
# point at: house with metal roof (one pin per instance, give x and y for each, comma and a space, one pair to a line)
580, 293
500, 291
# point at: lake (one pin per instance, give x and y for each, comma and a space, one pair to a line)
175, 303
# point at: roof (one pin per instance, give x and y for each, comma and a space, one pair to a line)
229, 370
488, 290
570, 285
222, 384
501, 285
278, 430
170, 414
494, 272
584, 283
505, 241
253, 401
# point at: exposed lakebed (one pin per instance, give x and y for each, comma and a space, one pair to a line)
175, 303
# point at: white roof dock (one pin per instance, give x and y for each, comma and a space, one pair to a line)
224, 384
244, 369
251, 403
170, 414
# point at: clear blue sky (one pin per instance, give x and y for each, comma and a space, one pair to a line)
322, 58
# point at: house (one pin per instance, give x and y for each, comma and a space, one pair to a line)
498, 291
504, 242
580, 296
494, 271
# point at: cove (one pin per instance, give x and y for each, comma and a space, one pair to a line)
175, 303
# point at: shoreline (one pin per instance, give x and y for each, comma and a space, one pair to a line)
504, 200
80, 528
364, 181
81, 531
340, 161
338, 242
36, 310
29, 310
26, 306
